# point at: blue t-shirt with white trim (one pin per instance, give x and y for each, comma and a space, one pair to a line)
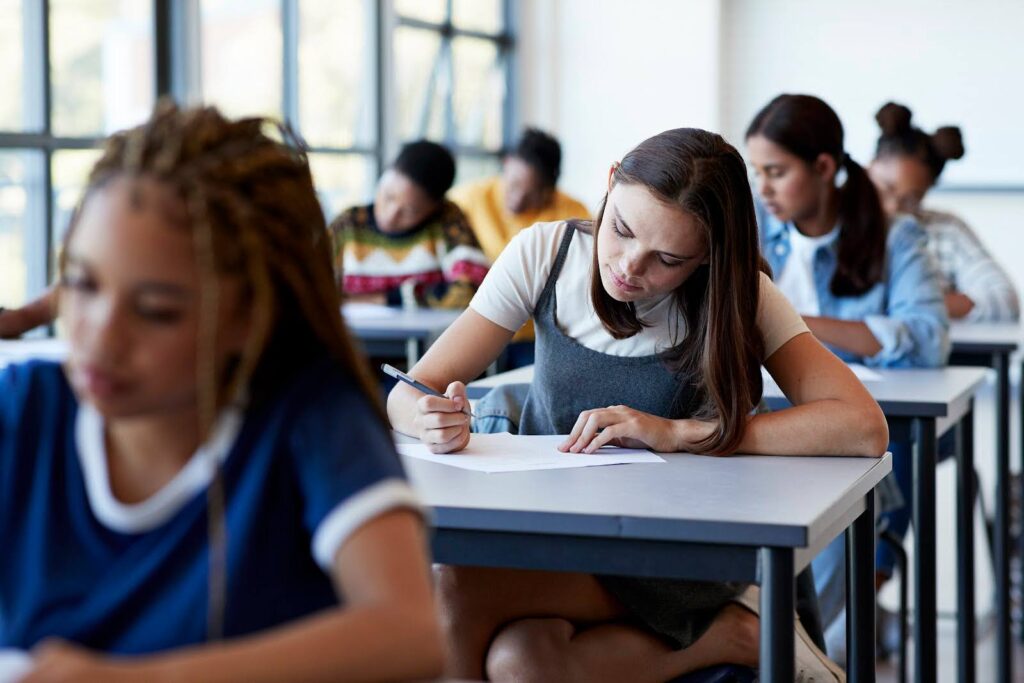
300, 474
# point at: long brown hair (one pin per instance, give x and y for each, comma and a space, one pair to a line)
250, 206
807, 127
722, 350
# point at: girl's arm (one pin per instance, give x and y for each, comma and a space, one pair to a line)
832, 414
460, 355
41, 311
849, 335
387, 629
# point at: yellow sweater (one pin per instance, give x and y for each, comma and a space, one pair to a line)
484, 205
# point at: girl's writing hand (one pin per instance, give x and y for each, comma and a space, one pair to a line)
443, 423
628, 428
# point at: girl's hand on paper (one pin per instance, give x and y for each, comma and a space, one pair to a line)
628, 428
441, 422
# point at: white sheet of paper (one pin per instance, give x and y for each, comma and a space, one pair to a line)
510, 453
355, 311
864, 373
14, 665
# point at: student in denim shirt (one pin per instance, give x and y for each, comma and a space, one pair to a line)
868, 289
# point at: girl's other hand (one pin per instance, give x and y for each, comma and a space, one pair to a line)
628, 428
57, 661
442, 423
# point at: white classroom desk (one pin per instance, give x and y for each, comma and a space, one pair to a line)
919, 405
756, 519
387, 331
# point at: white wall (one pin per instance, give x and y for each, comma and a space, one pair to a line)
605, 74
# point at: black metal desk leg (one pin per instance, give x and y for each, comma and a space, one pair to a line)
778, 605
925, 625
965, 548
1004, 657
860, 594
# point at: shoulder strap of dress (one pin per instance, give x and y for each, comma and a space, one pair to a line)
556, 267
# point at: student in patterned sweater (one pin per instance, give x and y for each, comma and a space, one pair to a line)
410, 232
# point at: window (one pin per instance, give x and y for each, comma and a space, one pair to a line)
452, 60
78, 70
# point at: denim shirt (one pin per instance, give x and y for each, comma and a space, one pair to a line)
905, 311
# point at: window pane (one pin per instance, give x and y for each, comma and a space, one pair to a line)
22, 226
425, 10
70, 169
478, 15
242, 60
336, 85
471, 168
342, 180
479, 92
421, 76
12, 63
102, 65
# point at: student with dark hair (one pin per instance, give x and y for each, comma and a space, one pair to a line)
524, 194
662, 309
410, 232
907, 164
865, 285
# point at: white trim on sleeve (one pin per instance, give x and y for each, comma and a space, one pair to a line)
355, 511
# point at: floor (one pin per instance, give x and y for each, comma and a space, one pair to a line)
986, 671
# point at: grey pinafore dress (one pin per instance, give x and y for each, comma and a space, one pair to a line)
571, 378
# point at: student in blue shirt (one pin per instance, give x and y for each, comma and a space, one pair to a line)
208, 476
866, 287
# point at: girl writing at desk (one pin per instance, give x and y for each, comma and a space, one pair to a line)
652, 324
190, 495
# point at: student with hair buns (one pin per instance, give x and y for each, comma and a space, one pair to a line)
409, 233
907, 164
207, 488
864, 283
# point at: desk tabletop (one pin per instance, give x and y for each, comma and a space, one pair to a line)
741, 500
985, 337
401, 324
914, 392
21, 350
900, 393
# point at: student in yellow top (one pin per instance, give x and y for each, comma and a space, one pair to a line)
525, 193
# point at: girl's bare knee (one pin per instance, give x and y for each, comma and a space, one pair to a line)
531, 650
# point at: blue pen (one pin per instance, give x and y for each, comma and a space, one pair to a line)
402, 377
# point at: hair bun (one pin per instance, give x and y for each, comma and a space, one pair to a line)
893, 119
948, 142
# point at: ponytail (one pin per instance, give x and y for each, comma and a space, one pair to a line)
862, 236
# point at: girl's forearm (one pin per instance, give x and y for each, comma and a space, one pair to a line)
785, 432
848, 335
362, 643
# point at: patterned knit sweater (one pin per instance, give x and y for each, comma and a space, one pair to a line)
440, 254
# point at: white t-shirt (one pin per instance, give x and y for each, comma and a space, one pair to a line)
797, 277
513, 286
